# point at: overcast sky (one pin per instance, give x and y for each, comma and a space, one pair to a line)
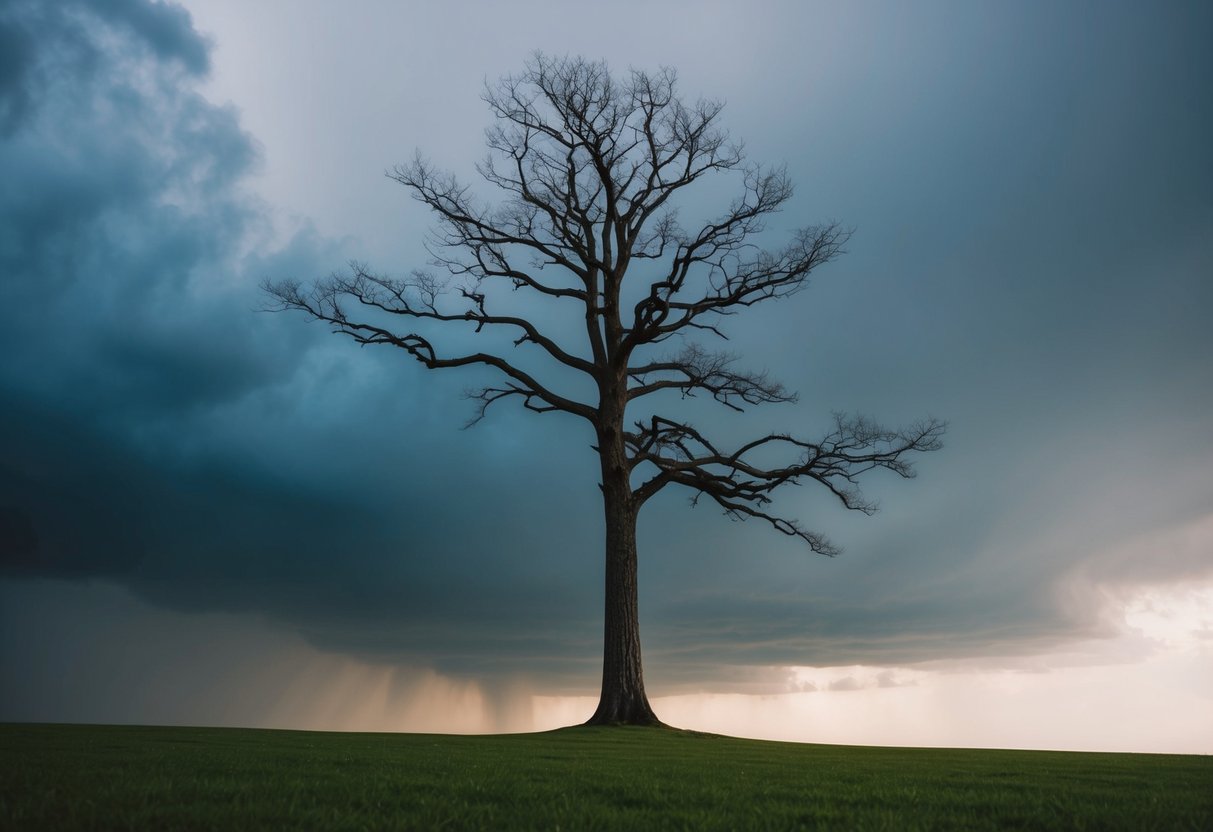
213, 514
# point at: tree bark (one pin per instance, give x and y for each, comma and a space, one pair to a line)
622, 700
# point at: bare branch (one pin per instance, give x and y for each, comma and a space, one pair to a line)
324, 303
737, 274
742, 486
466, 227
589, 167
695, 369
488, 395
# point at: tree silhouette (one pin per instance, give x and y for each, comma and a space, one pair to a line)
589, 165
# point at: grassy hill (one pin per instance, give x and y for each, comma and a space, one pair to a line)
90, 777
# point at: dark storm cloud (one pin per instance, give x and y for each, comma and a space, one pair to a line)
162, 433
1032, 264
121, 225
165, 28
16, 57
30, 31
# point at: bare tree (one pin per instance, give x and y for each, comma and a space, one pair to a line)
589, 165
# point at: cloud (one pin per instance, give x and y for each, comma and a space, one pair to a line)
166, 432
48, 45
120, 660
165, 436
122, 220
164, 27
169, 436
888, 679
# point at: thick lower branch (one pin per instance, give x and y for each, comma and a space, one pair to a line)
743, 488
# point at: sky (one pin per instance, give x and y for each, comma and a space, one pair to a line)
213, 514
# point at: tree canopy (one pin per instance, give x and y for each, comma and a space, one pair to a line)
590, 169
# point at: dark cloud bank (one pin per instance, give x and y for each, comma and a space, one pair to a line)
161, 434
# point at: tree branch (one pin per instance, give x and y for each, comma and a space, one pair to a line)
590, 168
694, 369
323, 303
742, 486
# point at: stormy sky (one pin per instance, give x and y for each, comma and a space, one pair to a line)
210, 513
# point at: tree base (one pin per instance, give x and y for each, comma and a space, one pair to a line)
631, 712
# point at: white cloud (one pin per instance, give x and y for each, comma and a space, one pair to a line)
1149, 688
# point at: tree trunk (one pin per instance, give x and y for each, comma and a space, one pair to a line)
622, 700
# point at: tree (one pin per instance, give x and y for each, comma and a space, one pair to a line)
589, 166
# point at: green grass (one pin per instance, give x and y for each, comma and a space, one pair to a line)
117, 777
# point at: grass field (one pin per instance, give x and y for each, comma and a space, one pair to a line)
107, 777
